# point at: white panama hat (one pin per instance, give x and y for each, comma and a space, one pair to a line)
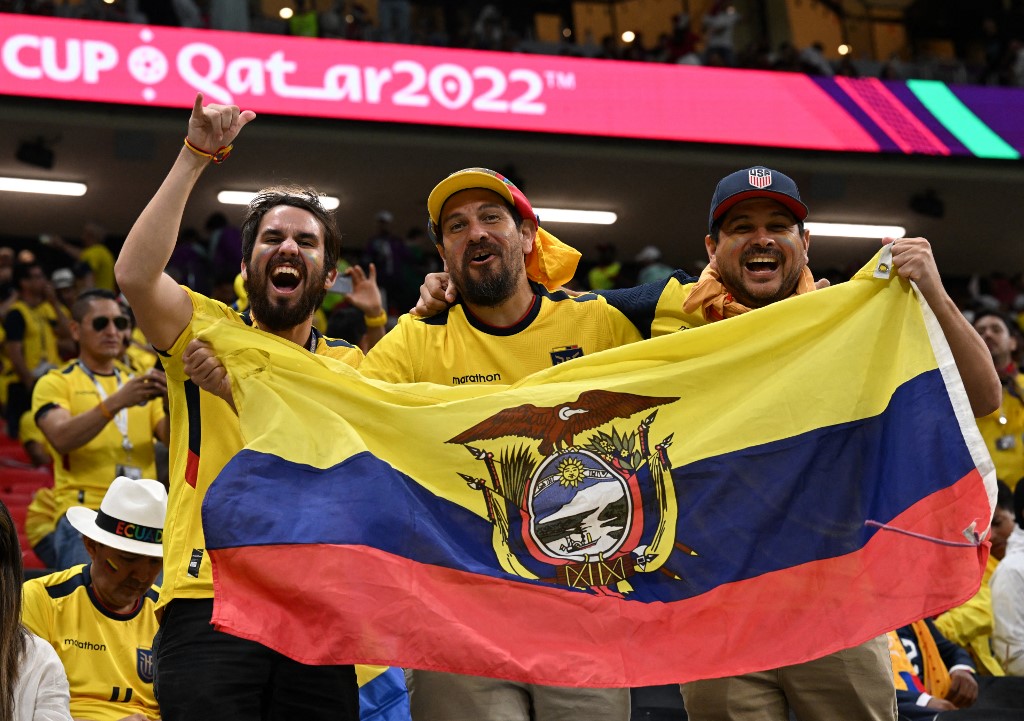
131, 517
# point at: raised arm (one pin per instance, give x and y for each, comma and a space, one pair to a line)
161, 306
914, 261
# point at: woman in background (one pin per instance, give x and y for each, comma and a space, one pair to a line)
33, 685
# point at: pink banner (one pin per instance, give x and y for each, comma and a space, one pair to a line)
143, 65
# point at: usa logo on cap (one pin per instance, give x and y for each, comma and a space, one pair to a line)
760, 178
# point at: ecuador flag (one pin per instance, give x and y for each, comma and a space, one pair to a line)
745, 495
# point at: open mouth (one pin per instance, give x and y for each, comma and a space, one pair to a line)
285, 278
761, 264
480, 256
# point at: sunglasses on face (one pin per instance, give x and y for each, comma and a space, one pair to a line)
101, 321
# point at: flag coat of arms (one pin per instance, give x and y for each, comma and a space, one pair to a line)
745, 495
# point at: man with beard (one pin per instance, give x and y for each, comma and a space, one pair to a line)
290, 247
100, 419
506, 325
758, 252
1003, 430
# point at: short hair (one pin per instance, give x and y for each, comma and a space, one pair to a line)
304, 198
1009, 322
22, 271
84, 301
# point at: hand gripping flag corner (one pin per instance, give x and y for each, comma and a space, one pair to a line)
745, 495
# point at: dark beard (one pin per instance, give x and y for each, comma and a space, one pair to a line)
488, 290
285, 316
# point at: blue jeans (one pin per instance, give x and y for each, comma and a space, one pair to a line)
68, 546
205, 674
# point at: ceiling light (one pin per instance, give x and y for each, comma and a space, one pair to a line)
561, 215
628, 36
852, 230
286, 13
45, 187
242, 197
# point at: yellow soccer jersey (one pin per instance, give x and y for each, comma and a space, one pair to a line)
101, 260
139, 357
82, 476
454, 347
108, 657
656, 309
33, 328
204, 437
1003, 432
40, 516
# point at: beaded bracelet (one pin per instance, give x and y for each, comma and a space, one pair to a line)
218, 157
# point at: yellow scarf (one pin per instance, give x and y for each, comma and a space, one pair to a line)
936, 675
551, 263
717, 303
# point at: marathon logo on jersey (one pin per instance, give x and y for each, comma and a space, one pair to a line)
85, 645
476, 378
144, 664
759, 178
565, 353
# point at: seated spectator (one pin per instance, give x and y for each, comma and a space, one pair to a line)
970, 624
99, 419
100, 617
1008, 596
31, 327
33, 441
651, 268
604, 275
935, 679
33, 684
1003, 429
40, 523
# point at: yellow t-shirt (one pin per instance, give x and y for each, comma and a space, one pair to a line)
656, 309
101, 260
204, 437
108, 657
40, 516
1005, 440
454, 347
82, 477
970, 625
34, 328
140, 357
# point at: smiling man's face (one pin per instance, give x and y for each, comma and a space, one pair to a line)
482, 247
286, 277
760, 252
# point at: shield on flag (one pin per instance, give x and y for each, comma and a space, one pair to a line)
759, 177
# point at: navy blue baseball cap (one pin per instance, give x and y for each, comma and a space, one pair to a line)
756, 182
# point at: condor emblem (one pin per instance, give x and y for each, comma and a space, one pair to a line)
759, 177
144, 664
585, 510
568, 352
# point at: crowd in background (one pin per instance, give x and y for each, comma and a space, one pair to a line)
984, 40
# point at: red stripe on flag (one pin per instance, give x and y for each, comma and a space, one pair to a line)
328, 604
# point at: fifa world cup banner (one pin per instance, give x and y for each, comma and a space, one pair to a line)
754, 493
